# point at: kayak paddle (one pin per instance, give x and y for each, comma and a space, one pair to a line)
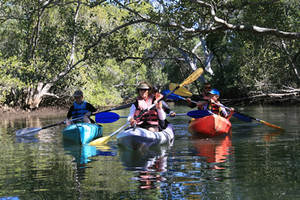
109, 117
239, 115
117, 108
106, 117
181, 90
27, 132
199, 113
104, 140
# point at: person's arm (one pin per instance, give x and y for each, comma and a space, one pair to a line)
130, 117
194, 98
71, 109
202, 105
91, 109
167, 109
161, 114
229, 115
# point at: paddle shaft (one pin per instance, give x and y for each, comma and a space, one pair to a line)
112, 134
59, 123
117, 108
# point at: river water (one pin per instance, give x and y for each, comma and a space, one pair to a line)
257, 162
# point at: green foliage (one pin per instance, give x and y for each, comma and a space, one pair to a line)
11, 84
107, 47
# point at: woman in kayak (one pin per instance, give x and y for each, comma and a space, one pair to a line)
166, 108
140, 115
214, 105
80, 109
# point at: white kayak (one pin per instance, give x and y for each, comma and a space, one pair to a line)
143, 138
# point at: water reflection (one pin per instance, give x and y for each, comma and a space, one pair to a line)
83, 153
148, 164
30, 139
271, 136
256, 163
214, 150
80, 153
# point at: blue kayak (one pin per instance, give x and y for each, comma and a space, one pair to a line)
82, 133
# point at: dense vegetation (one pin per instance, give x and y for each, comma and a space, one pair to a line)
49, 48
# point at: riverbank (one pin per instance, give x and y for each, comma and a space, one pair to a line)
8, 112
17, 113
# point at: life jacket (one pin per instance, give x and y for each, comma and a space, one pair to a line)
79, 109
151, 116
215, 109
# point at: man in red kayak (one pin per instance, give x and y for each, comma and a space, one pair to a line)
204, 95
214, 105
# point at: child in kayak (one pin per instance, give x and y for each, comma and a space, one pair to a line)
214, 105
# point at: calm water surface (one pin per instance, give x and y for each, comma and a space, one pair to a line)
257, 162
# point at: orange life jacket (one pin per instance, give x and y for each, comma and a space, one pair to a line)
215, 109
151, 116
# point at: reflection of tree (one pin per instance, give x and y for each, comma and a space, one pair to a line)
214, 150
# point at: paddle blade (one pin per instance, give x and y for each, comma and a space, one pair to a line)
192, 77
171, 96
100, 141
271, 125
27, 132
180, 91
106, 117
199, 113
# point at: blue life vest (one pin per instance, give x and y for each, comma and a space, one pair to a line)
79, 110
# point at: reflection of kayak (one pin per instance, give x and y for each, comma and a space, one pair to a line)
212, 125
138, 138
82, 133
81, 153
146, 159
215, 150
147, 164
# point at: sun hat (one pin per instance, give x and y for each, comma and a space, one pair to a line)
78, 93
143, 86
214, 91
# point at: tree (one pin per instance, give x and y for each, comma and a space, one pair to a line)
99, 46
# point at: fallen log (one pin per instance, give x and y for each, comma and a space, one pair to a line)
288, 97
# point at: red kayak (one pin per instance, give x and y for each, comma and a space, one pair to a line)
210, 126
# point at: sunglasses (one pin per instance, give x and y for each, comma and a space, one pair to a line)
143, 89
207, 87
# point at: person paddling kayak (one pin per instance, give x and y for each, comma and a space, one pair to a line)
150, 119
204, 95
211, 105
80, 109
